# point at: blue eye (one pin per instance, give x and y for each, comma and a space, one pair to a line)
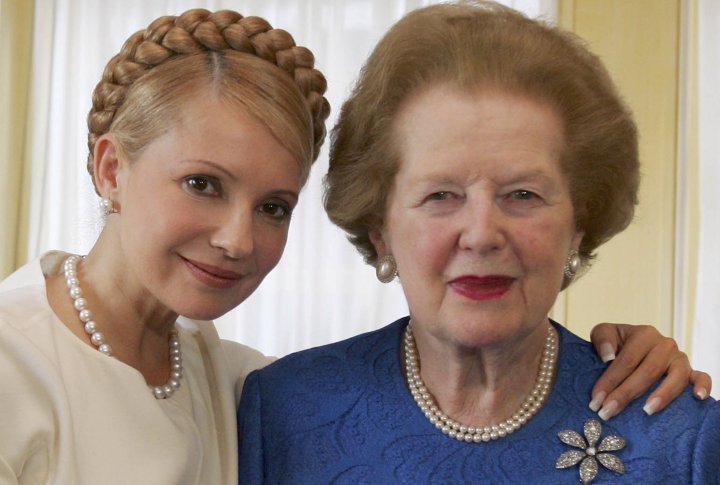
440, 196
202, 184
523, 195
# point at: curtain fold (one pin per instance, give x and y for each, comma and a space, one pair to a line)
16, 29
706, 328
321, 291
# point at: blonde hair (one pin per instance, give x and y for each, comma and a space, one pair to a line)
239, 60
476, 45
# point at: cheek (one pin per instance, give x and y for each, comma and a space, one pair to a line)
543, 244
269, 245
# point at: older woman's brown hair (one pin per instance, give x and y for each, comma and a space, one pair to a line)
482, 45
240, 60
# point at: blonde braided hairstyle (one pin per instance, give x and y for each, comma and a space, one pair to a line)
241, 60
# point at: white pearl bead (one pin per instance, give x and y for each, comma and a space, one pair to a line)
97, 338
90, 327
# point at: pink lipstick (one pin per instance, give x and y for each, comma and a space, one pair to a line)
212, 276
482, 288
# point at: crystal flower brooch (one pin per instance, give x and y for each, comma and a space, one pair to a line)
590, 453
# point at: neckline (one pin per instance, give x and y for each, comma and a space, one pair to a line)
536, 427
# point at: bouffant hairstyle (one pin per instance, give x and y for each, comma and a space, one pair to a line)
241, 61
482, 45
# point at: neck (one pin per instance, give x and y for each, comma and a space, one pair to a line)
480, 386
134, 323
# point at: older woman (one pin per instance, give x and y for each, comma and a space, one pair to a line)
482, 158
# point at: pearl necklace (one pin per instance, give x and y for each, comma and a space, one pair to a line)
532, 404
98, 339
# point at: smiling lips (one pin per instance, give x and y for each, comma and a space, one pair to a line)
482, 288
212, 276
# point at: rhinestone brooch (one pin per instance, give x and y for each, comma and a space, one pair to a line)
590, 452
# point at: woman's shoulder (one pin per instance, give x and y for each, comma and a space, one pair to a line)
23, 297
358, 351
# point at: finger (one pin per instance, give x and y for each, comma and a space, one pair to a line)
671, 386
606, 339
639, 345
647, 373
702, 384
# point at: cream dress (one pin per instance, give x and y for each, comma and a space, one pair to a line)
71, 415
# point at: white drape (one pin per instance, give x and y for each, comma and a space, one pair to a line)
707, 314
321, 291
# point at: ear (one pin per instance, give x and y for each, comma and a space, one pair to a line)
378, 240
107, 166
577, 239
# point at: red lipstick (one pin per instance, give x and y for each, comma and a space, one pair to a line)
212, 276
482, 288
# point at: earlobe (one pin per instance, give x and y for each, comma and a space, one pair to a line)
577, 239
106, 166
378, 242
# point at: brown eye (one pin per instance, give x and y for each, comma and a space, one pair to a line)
276, 211
202, 184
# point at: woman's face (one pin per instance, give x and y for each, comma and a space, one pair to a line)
480, 219
205, 209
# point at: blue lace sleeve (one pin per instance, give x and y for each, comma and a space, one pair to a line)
250, 446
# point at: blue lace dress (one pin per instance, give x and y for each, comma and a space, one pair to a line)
342, 413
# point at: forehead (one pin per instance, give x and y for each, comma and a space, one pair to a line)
446, 129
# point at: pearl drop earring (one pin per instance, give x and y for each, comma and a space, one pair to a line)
386, 269
106, 206
572, 264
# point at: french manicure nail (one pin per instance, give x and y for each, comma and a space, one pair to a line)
597, 401
606, 352
651, 406
702, 394
608, 411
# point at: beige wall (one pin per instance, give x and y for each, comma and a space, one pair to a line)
15, 39
634, 277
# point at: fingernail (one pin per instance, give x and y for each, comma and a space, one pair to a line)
597, 401
606, 352
702, 394
608, 411
651, 406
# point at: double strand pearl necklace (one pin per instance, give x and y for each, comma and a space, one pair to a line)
481, 434
98, 339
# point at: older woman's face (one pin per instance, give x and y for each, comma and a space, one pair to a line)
480, 219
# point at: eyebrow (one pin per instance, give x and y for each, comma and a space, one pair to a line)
215, 165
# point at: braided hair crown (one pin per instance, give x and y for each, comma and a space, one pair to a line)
199, 31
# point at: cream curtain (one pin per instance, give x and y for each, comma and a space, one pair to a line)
15, 60
706, 329
321, 291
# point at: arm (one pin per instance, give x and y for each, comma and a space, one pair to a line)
250, 442
643, 357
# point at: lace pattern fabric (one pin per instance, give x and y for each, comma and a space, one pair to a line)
342, 414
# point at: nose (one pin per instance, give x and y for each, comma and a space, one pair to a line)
234, 233
482, 226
